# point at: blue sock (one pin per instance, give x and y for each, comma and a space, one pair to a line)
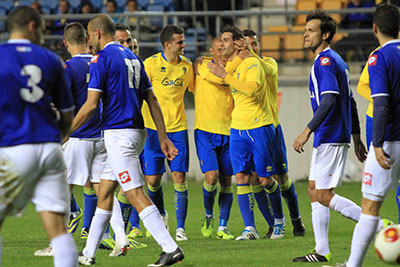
290, 196
274, 193
126, 207
156, 195
209, 192
107, 231
398, 200
73, 205
263, 203
181, 203
246, 204
225, 200
134, 219
89, 206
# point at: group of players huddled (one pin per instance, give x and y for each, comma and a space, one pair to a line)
119, 118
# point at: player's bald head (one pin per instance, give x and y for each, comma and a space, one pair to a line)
103, 23
19, 19
75, 34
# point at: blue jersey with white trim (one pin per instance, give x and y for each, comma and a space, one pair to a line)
31, 77
329, 75
119, 74
77, 69
384, 80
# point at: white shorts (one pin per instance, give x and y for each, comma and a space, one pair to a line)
33, 171
327, 165
85, 159
377, 181
123, 165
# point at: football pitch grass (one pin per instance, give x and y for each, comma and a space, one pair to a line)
22, 236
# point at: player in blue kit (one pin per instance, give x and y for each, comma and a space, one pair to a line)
31, 159
335, 120
117, 76
381, 171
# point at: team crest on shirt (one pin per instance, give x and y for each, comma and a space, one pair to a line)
163, 69
325, 61
372, 60
94, 59
184, 70
167, 82
367, 178
24, 49
124, 177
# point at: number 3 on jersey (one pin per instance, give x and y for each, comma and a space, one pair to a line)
34, 74
133, 66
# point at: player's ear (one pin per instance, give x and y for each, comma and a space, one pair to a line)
32, 26
65, 43
374, 28
326, 35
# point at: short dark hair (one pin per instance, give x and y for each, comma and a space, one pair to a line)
75, 33
386, 18
167, 33
104, 23
21, 16
249, 33
328, 24
121, 27
236, 32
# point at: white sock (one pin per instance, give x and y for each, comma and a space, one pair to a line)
346, 207
117, 222
221, 228
320, 221
152, 221
97, 227
65, 252
363, 235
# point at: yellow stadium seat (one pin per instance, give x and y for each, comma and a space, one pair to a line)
304, 5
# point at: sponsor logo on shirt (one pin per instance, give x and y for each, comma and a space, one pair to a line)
94, 59
167, 82
163, 69
24, 49
325, 61
372, 60
124, 177
367, 178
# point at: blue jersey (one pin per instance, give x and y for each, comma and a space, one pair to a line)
31, 78
384, 80
77, 69
119, 74
329, 75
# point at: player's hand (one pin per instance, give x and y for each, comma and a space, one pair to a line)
241, 44
301, 140
168, 149
382, 158
196, 63
217, 69
359, 148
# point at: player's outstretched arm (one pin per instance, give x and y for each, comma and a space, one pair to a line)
167, 147
85, 112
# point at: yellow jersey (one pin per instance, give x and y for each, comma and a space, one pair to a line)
213, 102
249, 90
271, 73
363, 87
169, 84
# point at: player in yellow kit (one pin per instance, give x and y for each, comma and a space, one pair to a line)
213, 108
280, 172
252, 129
170, 74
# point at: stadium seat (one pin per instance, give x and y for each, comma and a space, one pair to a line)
51, 4
304, 5
3, 12
143, 4
332, 5
75, 5
7, 5
97, 4
293, 44
156, 22
25, 2
273, 42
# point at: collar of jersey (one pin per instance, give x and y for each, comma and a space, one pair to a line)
110, 43
19, 41
162, 54
83, 55
326, 49
391, 42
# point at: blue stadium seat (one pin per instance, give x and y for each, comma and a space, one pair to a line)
121, 4
156, 22
3, 12
143, 4
46, 10
49, 4
97, 4
168, 5
7, 4
75, 5
25, 2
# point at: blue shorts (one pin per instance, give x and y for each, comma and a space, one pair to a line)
213, 152
280, 159
253, 150
368, 130
153, 159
